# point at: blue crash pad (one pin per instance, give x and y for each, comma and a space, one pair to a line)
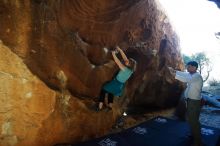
159, 131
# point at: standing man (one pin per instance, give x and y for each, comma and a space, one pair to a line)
193, 97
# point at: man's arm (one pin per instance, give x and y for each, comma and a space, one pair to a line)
122, 53
183, 76
179, 75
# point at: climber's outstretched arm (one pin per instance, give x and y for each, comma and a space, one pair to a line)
122, 54
117, 61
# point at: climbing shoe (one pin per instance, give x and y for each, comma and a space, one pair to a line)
98, 109
108, 109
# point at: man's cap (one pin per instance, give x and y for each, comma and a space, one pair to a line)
193, 63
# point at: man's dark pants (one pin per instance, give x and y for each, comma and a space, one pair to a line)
192, 117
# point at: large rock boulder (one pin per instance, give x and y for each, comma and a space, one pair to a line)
61, 57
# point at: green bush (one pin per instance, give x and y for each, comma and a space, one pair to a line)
214, 82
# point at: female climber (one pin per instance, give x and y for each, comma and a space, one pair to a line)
115, 87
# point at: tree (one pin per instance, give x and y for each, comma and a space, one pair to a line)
205, 66
186, 59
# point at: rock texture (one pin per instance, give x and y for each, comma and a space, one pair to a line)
66, 45
25, 101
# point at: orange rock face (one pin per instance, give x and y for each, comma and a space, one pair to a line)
25, 101
66, 45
